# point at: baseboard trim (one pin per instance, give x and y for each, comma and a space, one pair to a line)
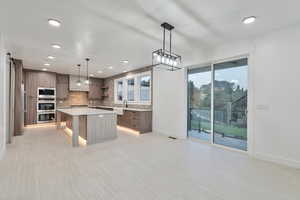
278, 160
165, 133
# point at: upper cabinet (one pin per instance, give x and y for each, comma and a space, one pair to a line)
31, 83
62, 86
75, 87
36, 79
95, 92
46, 80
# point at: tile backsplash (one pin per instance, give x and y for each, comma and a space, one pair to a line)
74, 98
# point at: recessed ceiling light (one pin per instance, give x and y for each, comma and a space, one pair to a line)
54, 22
51, 57
47, 64
110, 67
56, 46
125, 61
249, 20
92, 75
100, 72
125, 71
45, 69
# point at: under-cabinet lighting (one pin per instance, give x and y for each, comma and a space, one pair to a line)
128, 130
81, 140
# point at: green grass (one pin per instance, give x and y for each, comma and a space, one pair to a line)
232, 131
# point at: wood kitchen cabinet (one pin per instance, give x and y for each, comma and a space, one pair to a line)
95, 92
46, 80
62, 86
31, 111
34, 80
31, 83
140, 121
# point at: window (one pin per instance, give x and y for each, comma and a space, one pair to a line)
120, 90
145, 88
130, 89
135, 89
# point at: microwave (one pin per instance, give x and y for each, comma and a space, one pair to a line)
46, 93
44, 117
45, 106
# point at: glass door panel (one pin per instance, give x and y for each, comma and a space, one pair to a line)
199, 103
230, 104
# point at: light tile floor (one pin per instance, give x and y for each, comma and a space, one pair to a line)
42, 165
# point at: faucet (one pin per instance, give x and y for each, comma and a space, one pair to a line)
125, 103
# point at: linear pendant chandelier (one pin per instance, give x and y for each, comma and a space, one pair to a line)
166, 58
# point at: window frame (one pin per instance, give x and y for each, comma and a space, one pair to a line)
137, 87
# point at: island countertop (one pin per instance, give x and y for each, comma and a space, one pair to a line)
84, 111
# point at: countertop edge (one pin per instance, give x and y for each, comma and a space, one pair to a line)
129, 109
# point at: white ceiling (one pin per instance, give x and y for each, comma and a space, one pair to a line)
109, 31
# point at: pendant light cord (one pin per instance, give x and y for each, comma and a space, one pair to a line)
164, 39
78, 72
170, 42
87, 69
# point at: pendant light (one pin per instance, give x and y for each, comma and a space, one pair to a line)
163, 57
87, 81
78, 81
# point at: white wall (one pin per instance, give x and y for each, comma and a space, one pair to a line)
3, 99
274, 85
169, 103
275, 97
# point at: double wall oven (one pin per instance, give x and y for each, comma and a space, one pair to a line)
46, 105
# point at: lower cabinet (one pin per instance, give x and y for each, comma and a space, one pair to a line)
31, 111
137, 120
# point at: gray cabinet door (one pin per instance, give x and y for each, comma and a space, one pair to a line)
31, 83
62, 90
31, 114
46, 79
101, 128
95, 89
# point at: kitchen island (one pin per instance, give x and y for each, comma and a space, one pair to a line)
89, 125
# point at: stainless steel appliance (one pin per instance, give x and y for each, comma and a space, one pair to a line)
46, 93
46, 106
43, 117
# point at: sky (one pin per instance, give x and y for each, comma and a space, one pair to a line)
237, 75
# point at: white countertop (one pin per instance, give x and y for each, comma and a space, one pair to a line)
84, 111
129, 109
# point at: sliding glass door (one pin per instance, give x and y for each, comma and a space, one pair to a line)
199, 111
229, 97
230, 104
